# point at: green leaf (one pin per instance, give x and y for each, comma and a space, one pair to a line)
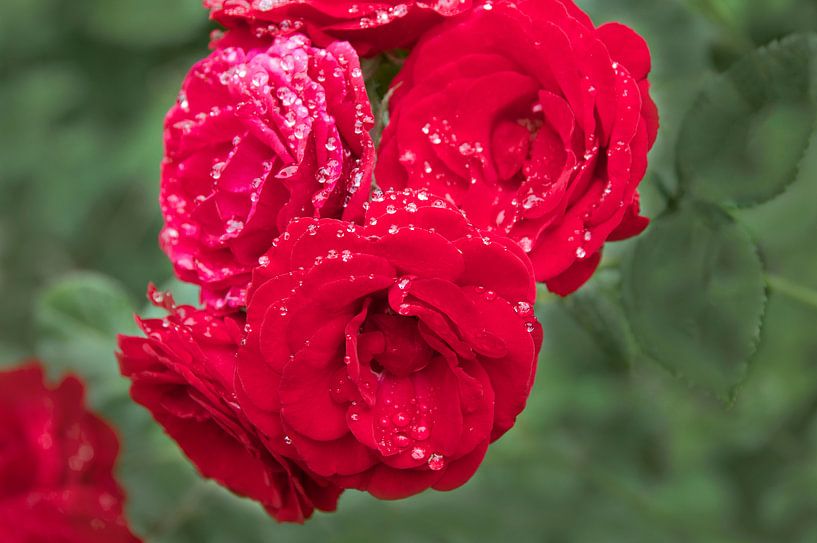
694, 292
597, 308
744, 138
85, 303
77, 321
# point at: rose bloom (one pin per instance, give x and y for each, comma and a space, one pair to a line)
535, 123
56, 465
183, 374
372, 27
388, 356
258, 137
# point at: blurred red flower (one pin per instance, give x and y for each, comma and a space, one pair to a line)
56, 465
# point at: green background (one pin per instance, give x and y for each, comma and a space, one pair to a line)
676, 398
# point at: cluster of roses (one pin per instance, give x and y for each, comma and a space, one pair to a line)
380, 341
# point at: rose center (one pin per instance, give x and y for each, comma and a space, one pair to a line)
403, 349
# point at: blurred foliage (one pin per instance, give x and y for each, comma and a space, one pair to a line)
722, 290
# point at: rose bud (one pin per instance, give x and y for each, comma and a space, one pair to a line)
183, 374
388, 356
535, 123
56, 464
258, 137
371, 27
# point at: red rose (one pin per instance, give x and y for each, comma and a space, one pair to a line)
56, 465
535, 123
259, 137
183, 373
371, 27
388, 356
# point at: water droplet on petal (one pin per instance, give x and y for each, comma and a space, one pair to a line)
418, 453
436, 462
218, 167
530, 327
401, 419
421, 432
523, 309
234, 226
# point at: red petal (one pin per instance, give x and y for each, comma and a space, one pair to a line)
462, 469
511, 376
420, 252
344, 456
627, 48
495, 267
306, 404
569, 281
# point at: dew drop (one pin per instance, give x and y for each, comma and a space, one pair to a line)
421, 432
218, 168
408, 157
401, 419
234, 226
436, 462
523, 309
